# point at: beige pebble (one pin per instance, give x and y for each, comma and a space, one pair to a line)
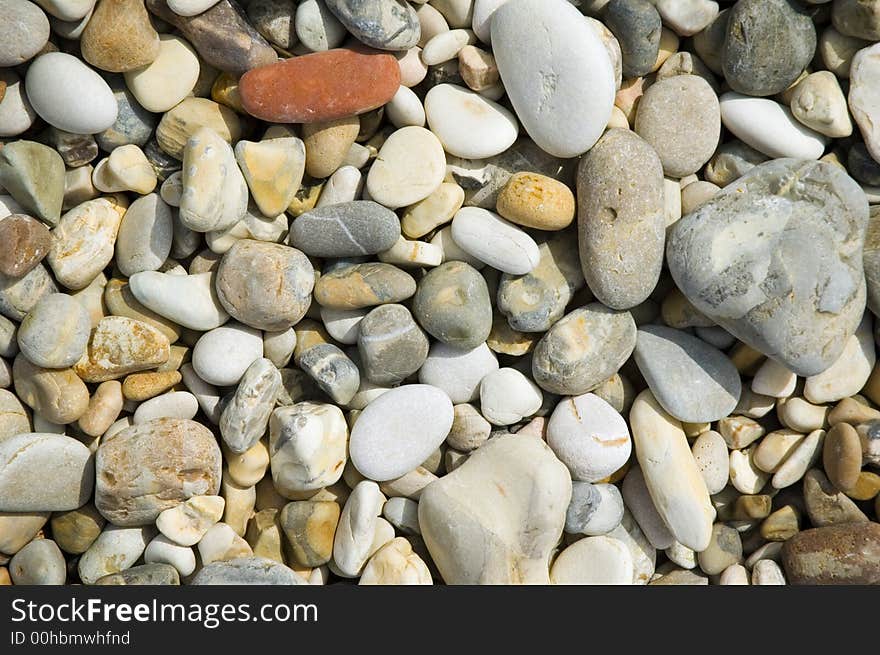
800, 460
187, 523
104, 408
221, 543
819, 103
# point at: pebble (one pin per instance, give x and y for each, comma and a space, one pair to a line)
769, 127
161, 550
188, 300
858, 19
119, 346
452, 304
273, 170
507, 397
16, 113
621, 227
849, 373
143, 242
19, 529
863, 96
396, 563
778, 322
467, 124
671, 473
160, 84
410, 166
385, 443
59, 395
766, 46
247, 571
457, 371
153, 466
825, 504
25, 457
222, 355
360, 531
637, 26
187, 522
583, 349
182, 122
593, 561
116, 549
383, 24
55, 332
24, 34
357, 82
33, 174
19, 295
566, 113
799, 461
691, 380
350, 229
119, 37
126, 169
75, 530
310, 527
710, 454
327, 143
680, 117
478, 69
245, 417
316, 26
493, 240
842, 456
493, 498
819, 103
595, 509
331, 369
536, 201
144, 574
14, 418
724, 550
391, 345
839, 554
264, 285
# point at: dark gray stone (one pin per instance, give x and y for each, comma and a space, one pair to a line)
767, 45
637, 26
862, 166
349, 229
382, 24
391, 344
452, 304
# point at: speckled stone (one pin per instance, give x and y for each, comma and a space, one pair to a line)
26, 241
392, 346
348, 229
119, 37
331, 369
247, 571
382, 24
452, 303
246, 415
353, 286
637, 26
583, 349
118, 346
841, 554
768, 43
770, 263
621, 225
826, 504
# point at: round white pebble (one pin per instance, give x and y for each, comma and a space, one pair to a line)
507, 396
593, 561
222, 355
458, 372
467, 124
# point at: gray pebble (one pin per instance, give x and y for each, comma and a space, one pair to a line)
41, 562
333, 372
316, 26
55, 332
145, 574
584, 502
731, 161
247, 571
382, 24
143, 242
391, 345
246, 415
274, 20
636, 25
348, 229
134, 124
862, 166
452, 304
24, 31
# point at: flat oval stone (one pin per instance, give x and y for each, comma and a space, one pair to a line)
846, 554
457, 371
767, 45
536, 201
55, 332
391, 344
583, 349
363, 285
320, 87
452, 303
188, 300
28, 242
69, 95
693, 381
222, 355
495, 241
33, 174
41, 562
382, 24
167, 78
467, 124
842, 456
119, 37
25, 486
23, 33
410, 167
265, 285
154, 466
397, 431
246, 571
764, 293
115, 550
564, 91
221, 35
143, 242
621, 225
597, 560
349, 229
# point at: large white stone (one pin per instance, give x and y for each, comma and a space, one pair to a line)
189, 300
410, 166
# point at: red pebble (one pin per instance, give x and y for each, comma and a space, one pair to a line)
321, 86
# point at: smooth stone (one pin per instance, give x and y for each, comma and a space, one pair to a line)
188, 300
467, 124
478, 69
361, 531
687, 17
435, 210
247, 571
253, 225
165, 81
691, 380
486, 522
680, 117
320, 86
536, 201
310, 527
507, 397
403, 514
493, 240
23, 33
469, 429
246, 416
589, 437
535, 301
67, 10
671, 473
273, 170
363, 285
767, 45
391, 345
83, 240
24, 460
222, 355
143, 242
595, 509
143, 574
637, 26
215, 193
583, 349
75, 530
265, 285
410, 166
849, 372
221, 35
398, 430
14, 418
803, 456
119, 37
327, 144
621, 226
58, 395
564, 92
351, 229
33, 174
826, 504
274, 20
187, 522
28, 242
837, 50
180, 123
775, 319
840, 554
862, 166
18, 295
412, 254
637, 498
724, 550
174, 404
332, 371
316, 26
769, 127
118, 346
396, 563
731, 161
41, 562
126, 169
342, 324
864, 96
842, 456
818, 102
452, 303
162, 550
69, 95
55, 332
16, 113
457, 371
710, 453
593, 561
857, 18
382, 24
116, 549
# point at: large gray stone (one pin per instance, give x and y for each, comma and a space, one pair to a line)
349, 229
